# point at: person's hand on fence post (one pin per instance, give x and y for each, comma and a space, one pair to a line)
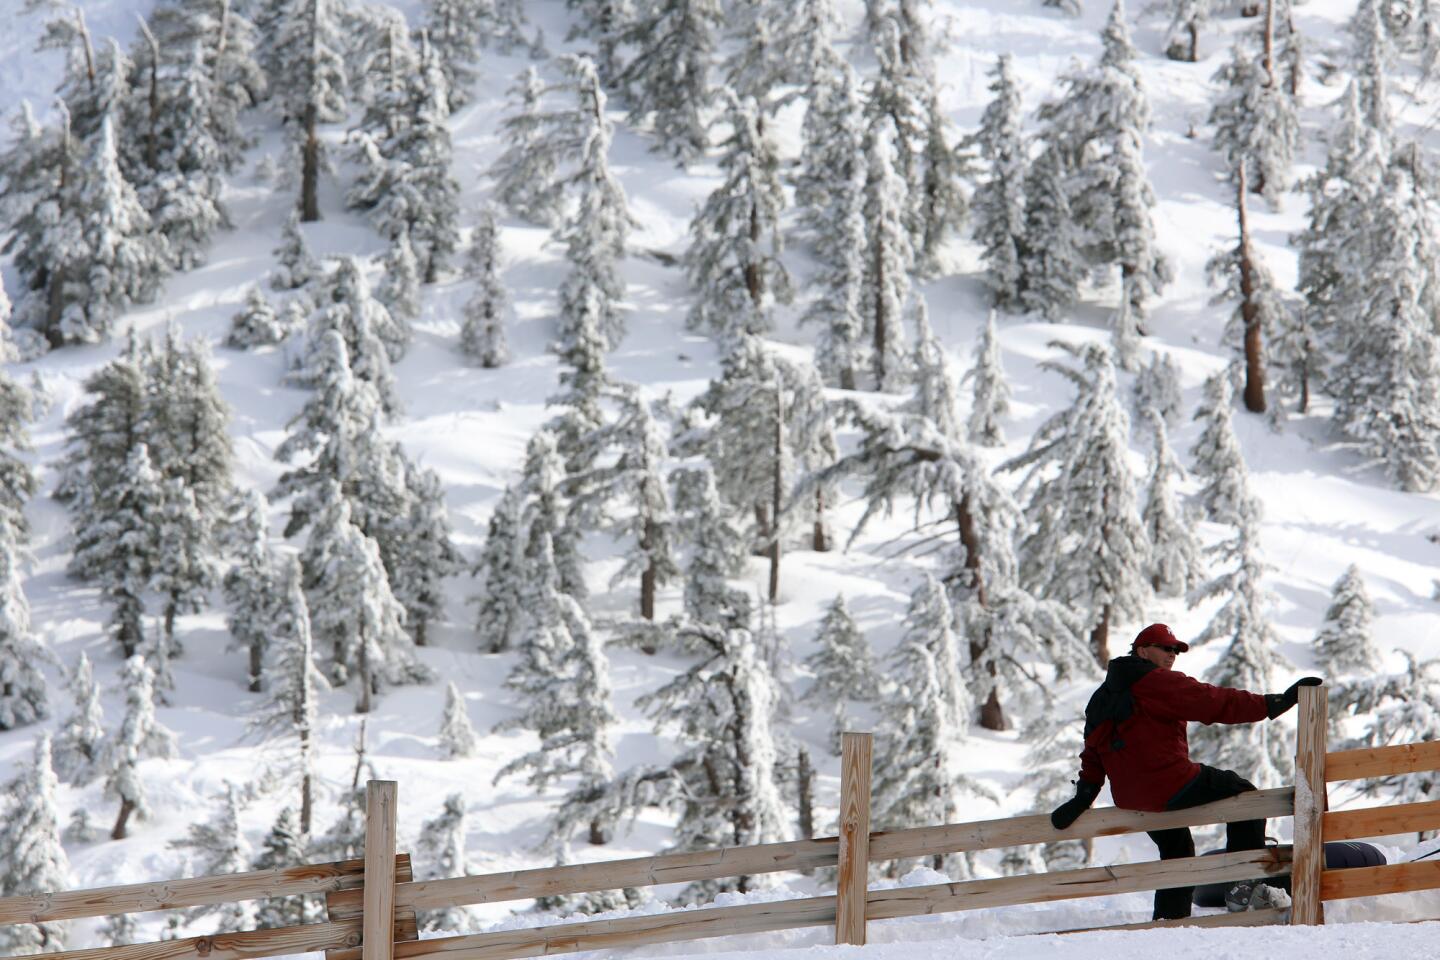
1278, 703
1069, 811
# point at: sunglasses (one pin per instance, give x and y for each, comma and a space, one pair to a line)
1166, 648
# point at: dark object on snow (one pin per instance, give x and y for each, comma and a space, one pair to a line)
1339, 855
1067, 812
1278, 703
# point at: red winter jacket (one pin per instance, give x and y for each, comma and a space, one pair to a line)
1147, 755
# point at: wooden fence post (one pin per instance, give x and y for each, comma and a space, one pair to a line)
854, 848
378, 922
1309, 858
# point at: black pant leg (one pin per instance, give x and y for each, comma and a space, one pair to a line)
1212, 784
1175, 843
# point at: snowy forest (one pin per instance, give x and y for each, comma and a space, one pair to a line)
581, 412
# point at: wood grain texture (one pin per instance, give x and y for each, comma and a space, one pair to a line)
249, 944
407, 925
1244, 918
624, 932
1377, 881
315, 878
1310, 762
378, 922
1379, 761
854, 852
1073, 884
1381, 821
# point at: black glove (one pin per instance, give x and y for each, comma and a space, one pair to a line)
1069, 811
1278, 703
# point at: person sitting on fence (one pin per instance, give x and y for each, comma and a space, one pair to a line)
1135, 735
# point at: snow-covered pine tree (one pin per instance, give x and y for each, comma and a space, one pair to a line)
399, 287
844, 669
286, 845
140, 735
527, 180
733, 261
889, 258
831, 157
1052, 262
441, 850
250, 585
636, 478
1260, 752
899, 93
1219, 464
839, 352
1372, 57
1174, 562
999, 201
189, 425
1259, 312
1054, 740
422, 554
482, 334
595, 230
256, 325
501, 569
219, 847
457, 737
1187, 18
1086, 543
721, 711
35, 862
23, 694
292, 682
563, 677
1157, 387
935, 396
991, 397
1343, 643
943, 204
307, 69
184, 566
295, 266
716, 549
1255, 119
1144, 270
668, 80
548, 512
80, 741
603, 23
1388, 349
918, 777
1402, 708
367, 325
458, 29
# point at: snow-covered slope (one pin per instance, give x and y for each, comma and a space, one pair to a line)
1322, 510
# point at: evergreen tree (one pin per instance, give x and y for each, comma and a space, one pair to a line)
1373, 55
423, 556
1157, 388
897, 100
1218, 462
399, 287
34, 861
374, 337
844, 669
919, 779
458, 29
1086, 544
564, 677
1388, 349
221, 848
1188, 17
458, 739
839, 353
308, 70
80, 742
442, 854
250, 586
286, 845
735, 241
257, 324
502, 569
527, 182
1344, 643
991, 399
603, 23
140, 735
595, 231
23, 694
717, 550
943, 203
935, 388
189, 424
292, 682
1255, 120
889, 258
1174, 563
1052, 262
832, 171
296, 267
482, 334
637, 480
184, 568
1400, 708
999, 202
548, 512
668, 81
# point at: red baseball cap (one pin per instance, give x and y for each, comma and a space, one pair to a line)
1160, 635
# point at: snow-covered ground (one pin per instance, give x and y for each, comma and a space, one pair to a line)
1323, 511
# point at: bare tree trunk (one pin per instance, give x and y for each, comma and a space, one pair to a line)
257, 651
992, 714
119, 831
599, 835
310, 169
1250, 311
805, 788
819, 542
307, 788
777, 490
880, 320
152, 136
363, 705
647, 576
1100, 638
86, 47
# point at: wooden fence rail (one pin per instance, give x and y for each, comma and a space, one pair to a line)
372, 904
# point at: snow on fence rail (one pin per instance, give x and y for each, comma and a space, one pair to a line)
376, 920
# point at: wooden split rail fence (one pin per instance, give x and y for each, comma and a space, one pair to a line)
372, 904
